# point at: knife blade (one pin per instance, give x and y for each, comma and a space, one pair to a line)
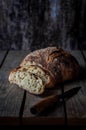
49, 101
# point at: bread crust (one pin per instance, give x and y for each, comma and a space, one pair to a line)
60, 64
55, 62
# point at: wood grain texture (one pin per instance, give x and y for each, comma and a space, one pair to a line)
76, 106
52, 115
2, 54
10, 95
84, 52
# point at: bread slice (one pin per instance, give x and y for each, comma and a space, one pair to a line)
31, 78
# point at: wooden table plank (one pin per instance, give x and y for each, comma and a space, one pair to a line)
75, 109
76, 106
56, 113
10, 95
84, 52
2, 54
38, 121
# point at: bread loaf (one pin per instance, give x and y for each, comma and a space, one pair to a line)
45, 68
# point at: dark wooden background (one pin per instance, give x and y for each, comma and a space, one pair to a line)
33, 24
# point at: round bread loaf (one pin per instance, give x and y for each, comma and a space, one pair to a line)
45, 68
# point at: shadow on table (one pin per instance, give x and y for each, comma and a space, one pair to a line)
82, 75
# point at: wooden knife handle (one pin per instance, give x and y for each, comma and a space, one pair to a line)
43, 104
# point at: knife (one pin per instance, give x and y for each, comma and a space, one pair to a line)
49, 101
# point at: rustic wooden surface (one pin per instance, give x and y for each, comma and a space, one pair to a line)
77, 104
2, 54
15, 103
10, 95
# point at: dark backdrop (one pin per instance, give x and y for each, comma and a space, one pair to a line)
33, 24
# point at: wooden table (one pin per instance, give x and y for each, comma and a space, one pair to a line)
15, 103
